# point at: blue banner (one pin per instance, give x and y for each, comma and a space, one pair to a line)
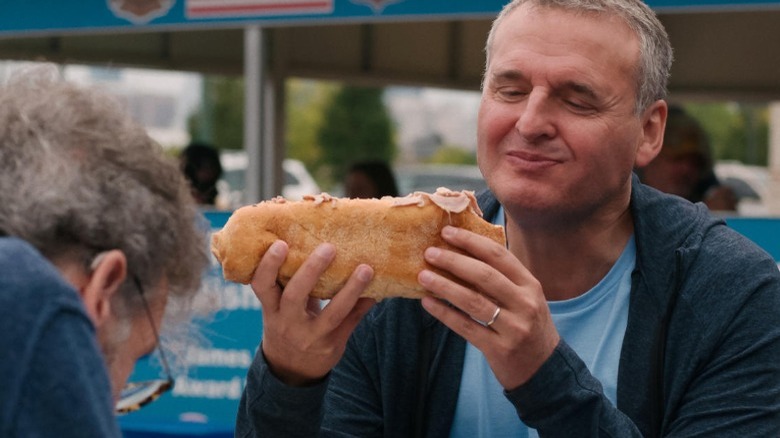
764, 231
204, 401
51, 17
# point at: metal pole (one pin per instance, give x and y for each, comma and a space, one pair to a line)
772, 200
260, 166
206, 125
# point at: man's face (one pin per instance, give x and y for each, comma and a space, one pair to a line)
121, 350
557, 130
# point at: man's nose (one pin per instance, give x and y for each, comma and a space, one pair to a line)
535, 120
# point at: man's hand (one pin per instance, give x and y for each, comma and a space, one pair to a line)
302, 342
522, 336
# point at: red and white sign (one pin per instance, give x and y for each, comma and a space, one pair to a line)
254, 8
140, 11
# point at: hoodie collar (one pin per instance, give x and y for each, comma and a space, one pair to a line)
663, 225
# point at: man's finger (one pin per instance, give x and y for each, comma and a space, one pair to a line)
345, 300
264, 282
487, 250
305, 278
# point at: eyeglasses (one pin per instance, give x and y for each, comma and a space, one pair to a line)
135, 395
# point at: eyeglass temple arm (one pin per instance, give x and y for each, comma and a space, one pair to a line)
154, 328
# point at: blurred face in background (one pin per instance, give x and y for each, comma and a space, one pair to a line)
359, 185
678, 174
684, 165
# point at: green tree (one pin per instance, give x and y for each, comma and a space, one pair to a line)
309, 106
737, 131
450, 154
305, 105
220, 118
748, 142
356, 126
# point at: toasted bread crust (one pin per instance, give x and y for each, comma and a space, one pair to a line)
388, 234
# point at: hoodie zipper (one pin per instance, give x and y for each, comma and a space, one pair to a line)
663, 333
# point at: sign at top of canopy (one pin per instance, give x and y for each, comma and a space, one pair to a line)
51, 17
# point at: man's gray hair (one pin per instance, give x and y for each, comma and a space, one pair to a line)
80, 177
655, 50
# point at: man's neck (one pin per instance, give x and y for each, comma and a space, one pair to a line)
570, 260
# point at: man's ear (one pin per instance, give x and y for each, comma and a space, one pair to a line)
109, 271
653, 125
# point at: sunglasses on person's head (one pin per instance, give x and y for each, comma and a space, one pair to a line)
135, 395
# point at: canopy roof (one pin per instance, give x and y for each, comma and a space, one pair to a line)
722, 48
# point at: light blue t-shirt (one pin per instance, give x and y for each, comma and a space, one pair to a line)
593, 324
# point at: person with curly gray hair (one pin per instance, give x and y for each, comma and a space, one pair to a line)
99, 235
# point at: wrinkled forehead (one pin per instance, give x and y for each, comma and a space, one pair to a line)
507, 20
562, 32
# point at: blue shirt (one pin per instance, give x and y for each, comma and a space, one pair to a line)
593, 324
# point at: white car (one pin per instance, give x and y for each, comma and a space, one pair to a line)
429, 177
750, 184
297, 180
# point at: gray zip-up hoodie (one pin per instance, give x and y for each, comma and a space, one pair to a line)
700, 357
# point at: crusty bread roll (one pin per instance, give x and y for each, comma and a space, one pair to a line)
388, 234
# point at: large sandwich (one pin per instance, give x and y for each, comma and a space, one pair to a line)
388, 234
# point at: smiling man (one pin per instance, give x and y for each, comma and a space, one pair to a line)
614, 310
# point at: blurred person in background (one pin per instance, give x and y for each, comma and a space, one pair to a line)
100, 238
685, 166
370, 179
201, 165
